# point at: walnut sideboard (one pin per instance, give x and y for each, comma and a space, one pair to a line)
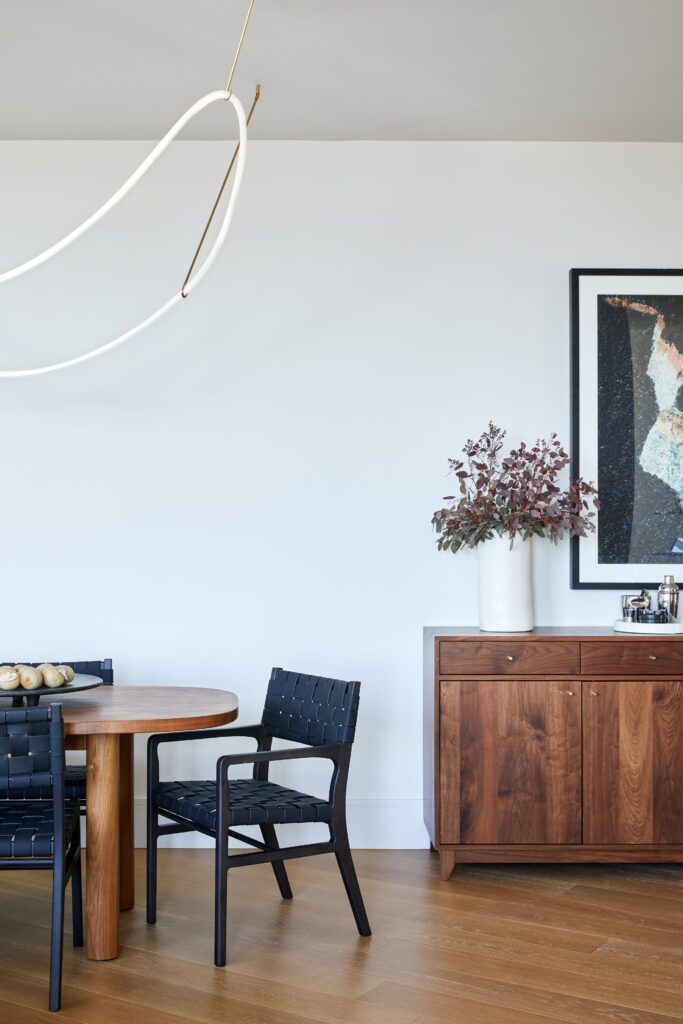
554, 745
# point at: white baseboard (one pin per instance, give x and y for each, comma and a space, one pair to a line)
373, 825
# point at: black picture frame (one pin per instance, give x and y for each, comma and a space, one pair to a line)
578, 579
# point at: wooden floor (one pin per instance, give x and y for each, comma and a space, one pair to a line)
495, 945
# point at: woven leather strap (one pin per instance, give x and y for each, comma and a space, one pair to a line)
252, 802
28, 829
310, 709
31, 746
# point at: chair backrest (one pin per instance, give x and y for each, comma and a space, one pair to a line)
31, 747
310, 709
104, 669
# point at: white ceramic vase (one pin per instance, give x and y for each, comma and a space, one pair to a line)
506, 602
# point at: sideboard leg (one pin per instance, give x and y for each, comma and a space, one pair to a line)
432, 848
447, 858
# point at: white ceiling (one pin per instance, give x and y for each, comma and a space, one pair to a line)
347, 69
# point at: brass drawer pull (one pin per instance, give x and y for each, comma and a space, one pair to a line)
594, 693
653, 657
570, 693
510, 657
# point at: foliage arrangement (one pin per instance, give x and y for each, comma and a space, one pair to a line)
517, 494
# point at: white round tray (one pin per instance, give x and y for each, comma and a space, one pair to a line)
653, 628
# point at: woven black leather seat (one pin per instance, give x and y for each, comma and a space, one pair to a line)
74, 787
318, 713
251, 803
27, 828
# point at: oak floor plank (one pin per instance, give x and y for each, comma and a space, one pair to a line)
639, 953
448, 1008
661, 974
604, 986
496, 997
497, 944
11, 1013
108, 1000
658, 903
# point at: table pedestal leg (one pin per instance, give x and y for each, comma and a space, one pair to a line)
102, 850
126, 824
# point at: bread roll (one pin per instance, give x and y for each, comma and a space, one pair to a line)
9, 678
30, 678
66, 671
52, 677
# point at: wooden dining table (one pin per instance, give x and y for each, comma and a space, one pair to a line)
104, 722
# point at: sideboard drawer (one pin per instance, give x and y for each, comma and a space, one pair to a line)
508, 657
632, 657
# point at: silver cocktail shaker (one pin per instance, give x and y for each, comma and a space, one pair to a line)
668, 597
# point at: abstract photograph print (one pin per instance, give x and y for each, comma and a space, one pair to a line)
627, 423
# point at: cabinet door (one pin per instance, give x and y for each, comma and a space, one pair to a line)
633, 762
510, 762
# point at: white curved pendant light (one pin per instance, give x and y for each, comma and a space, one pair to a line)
190, 282
9, 275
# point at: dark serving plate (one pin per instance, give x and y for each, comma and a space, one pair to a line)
31, 698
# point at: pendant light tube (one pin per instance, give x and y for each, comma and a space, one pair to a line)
147, 163
201, 104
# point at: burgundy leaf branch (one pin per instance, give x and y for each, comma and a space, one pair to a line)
513, 495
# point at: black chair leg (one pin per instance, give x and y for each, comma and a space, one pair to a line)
270, 839
221, 907
350, 880
57, 937
152, 841
77, 901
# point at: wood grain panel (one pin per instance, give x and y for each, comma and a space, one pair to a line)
478, 761
508, 657
520, 762
632, 657
449, 763
667, 772
633, 762
600, 710
128, 709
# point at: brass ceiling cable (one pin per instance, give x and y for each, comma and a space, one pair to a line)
239, 46
228, 89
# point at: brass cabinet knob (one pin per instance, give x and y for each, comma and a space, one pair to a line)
594, 693
510, 657
653, 657
570, 693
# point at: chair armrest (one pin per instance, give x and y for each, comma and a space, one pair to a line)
330, 751
257, 732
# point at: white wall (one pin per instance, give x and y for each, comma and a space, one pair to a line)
251, 482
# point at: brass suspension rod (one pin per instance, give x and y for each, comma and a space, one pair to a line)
218, 198
239, 45
234, 155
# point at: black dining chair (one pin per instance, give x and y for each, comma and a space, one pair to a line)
316, 712
41, 834
74, 774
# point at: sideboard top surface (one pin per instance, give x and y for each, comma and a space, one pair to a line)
547, 632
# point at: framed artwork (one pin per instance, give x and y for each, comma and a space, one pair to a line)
627, 424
